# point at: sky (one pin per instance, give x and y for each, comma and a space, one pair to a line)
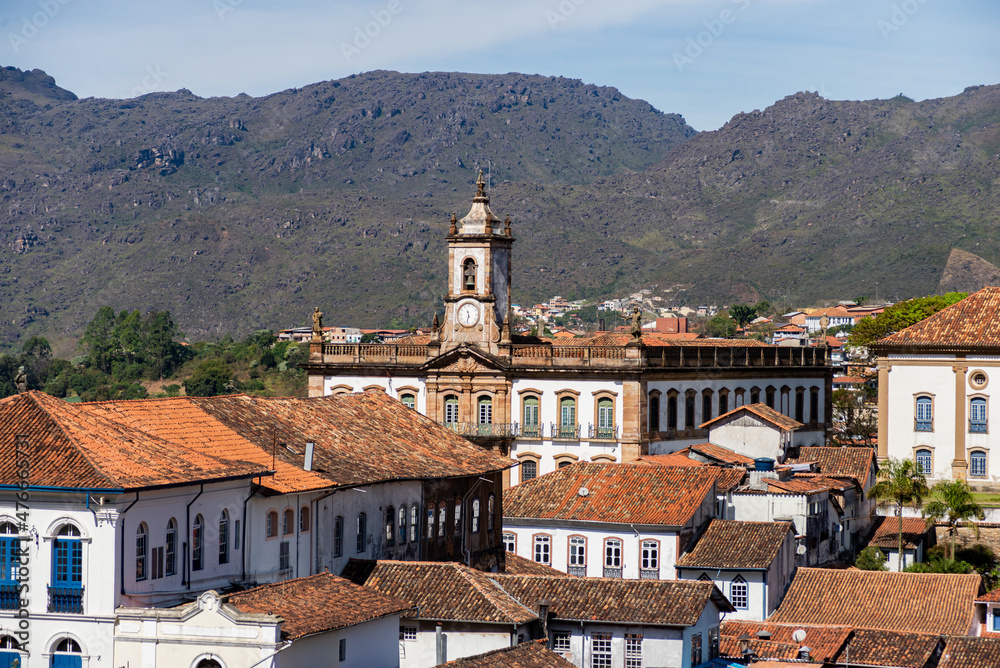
704, 59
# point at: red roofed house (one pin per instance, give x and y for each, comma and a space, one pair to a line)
751, 562
759, 431
935, 391
917, 539
612, 520
548, 401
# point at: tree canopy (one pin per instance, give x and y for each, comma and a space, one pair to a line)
900, 482
900, 316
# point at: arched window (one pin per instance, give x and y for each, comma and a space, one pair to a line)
649, 560
543, 549
10, 652
442, 518
578, 555
509, 541
67, 654
490, 511
755, 395
402, 525
529, 470
66, 593
924, 460
338, 536
977, 464
814, 404
654, 411
612, 558
739, 593
451, 409
977, 415
271, 524
925, 414
10, 551
198, 543
469, 274
529, 426
723, 401
769, 397
408, 400
361, 542
305, 519
224, 537
288, 522
564, 463
605, 418
414, 522
141, 551
672, 410
208, 663
170, 558
458, 515
390, 525
485, 410
431, 514
475, 516
706, 405
740, 397
567, 417
689, 402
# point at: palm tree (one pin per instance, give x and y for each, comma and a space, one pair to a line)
956, 504
901, 482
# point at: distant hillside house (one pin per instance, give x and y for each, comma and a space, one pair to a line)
547, 402
935, 384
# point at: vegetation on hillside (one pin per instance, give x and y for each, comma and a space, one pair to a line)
900, 316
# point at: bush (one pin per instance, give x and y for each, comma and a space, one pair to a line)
209, 379
870, 559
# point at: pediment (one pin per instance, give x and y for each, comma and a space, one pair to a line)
465, 360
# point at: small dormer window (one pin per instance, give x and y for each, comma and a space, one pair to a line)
469, 274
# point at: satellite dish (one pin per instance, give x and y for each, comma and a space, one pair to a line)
584, 491
801, 549
799, 635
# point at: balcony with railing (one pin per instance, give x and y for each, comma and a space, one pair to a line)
9, 596
66, 599
612, 572
531, 431
602, 433
565, 432
579, 571
649, 574
483, 430
977, 427
923, 425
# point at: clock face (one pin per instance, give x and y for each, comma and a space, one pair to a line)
468, 315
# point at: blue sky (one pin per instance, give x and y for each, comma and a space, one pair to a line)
704, 59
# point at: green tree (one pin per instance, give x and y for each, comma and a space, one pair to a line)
209, 379
939, 565
900, 316
956, 503
855, 420
870, 559
742, 314
161, 352
721, 326
98, 340
36, 356
900, 482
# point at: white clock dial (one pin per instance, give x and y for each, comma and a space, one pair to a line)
468, 315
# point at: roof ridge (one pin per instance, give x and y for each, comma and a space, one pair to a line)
34, 395
478, 579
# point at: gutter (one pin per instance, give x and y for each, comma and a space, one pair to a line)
186, 577
243, 537
121, 553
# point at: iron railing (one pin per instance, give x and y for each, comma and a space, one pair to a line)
602, 433
612, 572
649, 574
10, 596
579, 571
565, 431
977, 427
66, 599
476, 429
923, 425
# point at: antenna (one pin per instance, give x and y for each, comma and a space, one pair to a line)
489, 174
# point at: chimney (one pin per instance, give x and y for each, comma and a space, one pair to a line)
543, 615
804, 653
308, 464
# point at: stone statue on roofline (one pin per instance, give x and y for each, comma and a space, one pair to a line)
636, 323
317, 330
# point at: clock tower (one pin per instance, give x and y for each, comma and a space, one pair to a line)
477, 306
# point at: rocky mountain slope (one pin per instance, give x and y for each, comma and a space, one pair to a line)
241, 213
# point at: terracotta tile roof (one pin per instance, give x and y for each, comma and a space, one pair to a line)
849, 462
810, 485
973, 322
317, 603
823, 641
534, 654
71, 447
872, 647
730, 479
359, 438
764, 412
441, 590
721, 454
628, 493
914, 602
650, 602
649, 339
992, 596
830, 312
734, 545
520, 566
966, 652
182, 421
672, 459
885, 532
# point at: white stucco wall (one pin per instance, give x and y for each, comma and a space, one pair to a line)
461, 639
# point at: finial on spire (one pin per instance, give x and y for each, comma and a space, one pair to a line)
506, 226
453, 227
481, 185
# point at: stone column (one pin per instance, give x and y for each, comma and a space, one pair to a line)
960, 466
883, 409
633, 420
